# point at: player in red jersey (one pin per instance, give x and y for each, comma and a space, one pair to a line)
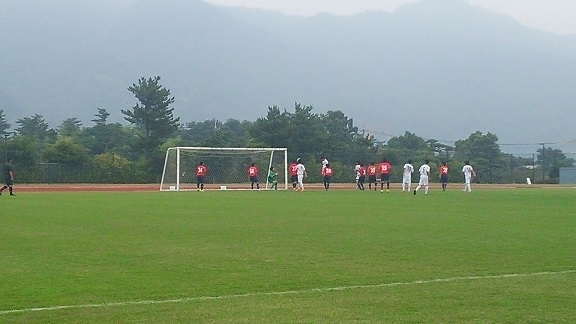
201, 171
371, 176
384, 169
361, 174
253, 175
327, 174
293, 173
443, 173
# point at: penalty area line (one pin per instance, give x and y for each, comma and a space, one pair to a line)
288, 292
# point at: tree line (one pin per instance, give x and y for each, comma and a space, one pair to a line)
107, 152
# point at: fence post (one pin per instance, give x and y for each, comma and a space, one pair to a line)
511, 169
491, 155
534, 166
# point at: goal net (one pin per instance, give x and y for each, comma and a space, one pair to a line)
227, 167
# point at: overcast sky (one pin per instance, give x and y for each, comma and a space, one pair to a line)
557, 16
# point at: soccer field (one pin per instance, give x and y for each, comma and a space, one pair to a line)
490, 256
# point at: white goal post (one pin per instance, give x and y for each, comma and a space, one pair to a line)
227, 167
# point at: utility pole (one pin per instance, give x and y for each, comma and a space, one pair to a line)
543, 160
6, 135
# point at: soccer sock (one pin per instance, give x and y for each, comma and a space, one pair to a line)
387, 185
426, 190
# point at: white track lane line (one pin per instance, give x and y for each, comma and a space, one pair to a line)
288, 292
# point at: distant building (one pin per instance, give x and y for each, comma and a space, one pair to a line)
568, 175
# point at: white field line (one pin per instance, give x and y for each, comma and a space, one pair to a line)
288, 292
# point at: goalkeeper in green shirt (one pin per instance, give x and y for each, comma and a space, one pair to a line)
272, 179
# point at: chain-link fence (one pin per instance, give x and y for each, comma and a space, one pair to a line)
505, 169
107, 169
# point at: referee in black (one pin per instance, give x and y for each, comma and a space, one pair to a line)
8, 171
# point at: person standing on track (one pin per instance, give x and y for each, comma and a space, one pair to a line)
327, 175
8, 171
371, 176
443, 173
407, 176
272, 179
424, 177
293, 174
361, 175
384, 168
253, 176
324, 162
301, 170
357, 173
468, 174
201, 171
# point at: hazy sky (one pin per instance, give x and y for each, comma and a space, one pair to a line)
557, 16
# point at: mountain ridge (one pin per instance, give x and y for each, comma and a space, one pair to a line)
440, 69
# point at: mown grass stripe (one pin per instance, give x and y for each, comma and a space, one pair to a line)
288, 292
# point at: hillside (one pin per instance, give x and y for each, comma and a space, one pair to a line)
439, 68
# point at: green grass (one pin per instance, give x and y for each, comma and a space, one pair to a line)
490, 256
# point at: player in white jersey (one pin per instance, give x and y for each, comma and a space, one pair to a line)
324, 162
407, 176
357, 172
424, 177
301, 172
468, 174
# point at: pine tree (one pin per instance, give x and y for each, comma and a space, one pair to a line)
152, 116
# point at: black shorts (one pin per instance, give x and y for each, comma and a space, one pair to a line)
254, 179
362, 179
200, 179
327, 179
8, 181
444, 178
372, 179
385, 177
294, 178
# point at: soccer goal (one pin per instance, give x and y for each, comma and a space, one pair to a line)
227, 167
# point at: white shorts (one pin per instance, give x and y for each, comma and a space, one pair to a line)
467, 179
423, 180
300, 178
406, 179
